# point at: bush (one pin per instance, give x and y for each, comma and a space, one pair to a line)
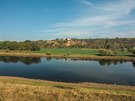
48, 53
34, 47
107, 52
132, 50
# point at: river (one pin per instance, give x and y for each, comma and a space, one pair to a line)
69, 70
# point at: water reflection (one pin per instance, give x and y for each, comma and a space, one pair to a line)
25, 60
133, 63
106, 62
109, 62
48, 58
36, 60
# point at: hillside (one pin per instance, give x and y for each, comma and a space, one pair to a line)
122, 44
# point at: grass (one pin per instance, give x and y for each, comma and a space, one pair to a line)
76, 51
124, 53
80, 53
69, 51
21, 89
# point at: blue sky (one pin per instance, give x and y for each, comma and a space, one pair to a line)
50, 19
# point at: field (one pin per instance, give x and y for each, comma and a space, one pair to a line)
79, 53
20, 89
69, 51
76, 51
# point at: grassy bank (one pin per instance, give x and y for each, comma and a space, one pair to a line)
68, 53
20, 89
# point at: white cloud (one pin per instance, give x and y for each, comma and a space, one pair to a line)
110, 15
117, 6
87, 2
122, 7
121, 34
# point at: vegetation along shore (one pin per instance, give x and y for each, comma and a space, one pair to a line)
113, 48
36, 54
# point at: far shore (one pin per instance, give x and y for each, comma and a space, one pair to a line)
92, 57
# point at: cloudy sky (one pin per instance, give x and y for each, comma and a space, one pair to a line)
50, 19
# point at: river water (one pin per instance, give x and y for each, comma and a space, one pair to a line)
69, 70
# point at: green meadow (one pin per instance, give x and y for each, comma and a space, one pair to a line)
69, 51
76, 51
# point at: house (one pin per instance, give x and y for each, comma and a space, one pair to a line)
68, 39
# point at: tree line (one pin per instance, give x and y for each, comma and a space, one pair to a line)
105, 43
25, 46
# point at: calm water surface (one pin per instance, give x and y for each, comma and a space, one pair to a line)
69, 70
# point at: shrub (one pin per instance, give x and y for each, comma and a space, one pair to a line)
107, 52
48, 53
132, 50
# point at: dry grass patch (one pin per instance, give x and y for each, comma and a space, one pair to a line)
20, 89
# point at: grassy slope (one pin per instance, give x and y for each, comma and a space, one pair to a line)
20, 89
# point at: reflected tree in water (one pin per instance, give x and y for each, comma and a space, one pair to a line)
30, 60
102, 62
8, 59
25, 60
109, 62
48, 58
133, 63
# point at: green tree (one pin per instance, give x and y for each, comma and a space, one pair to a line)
4, 45
34, 47
13, 45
